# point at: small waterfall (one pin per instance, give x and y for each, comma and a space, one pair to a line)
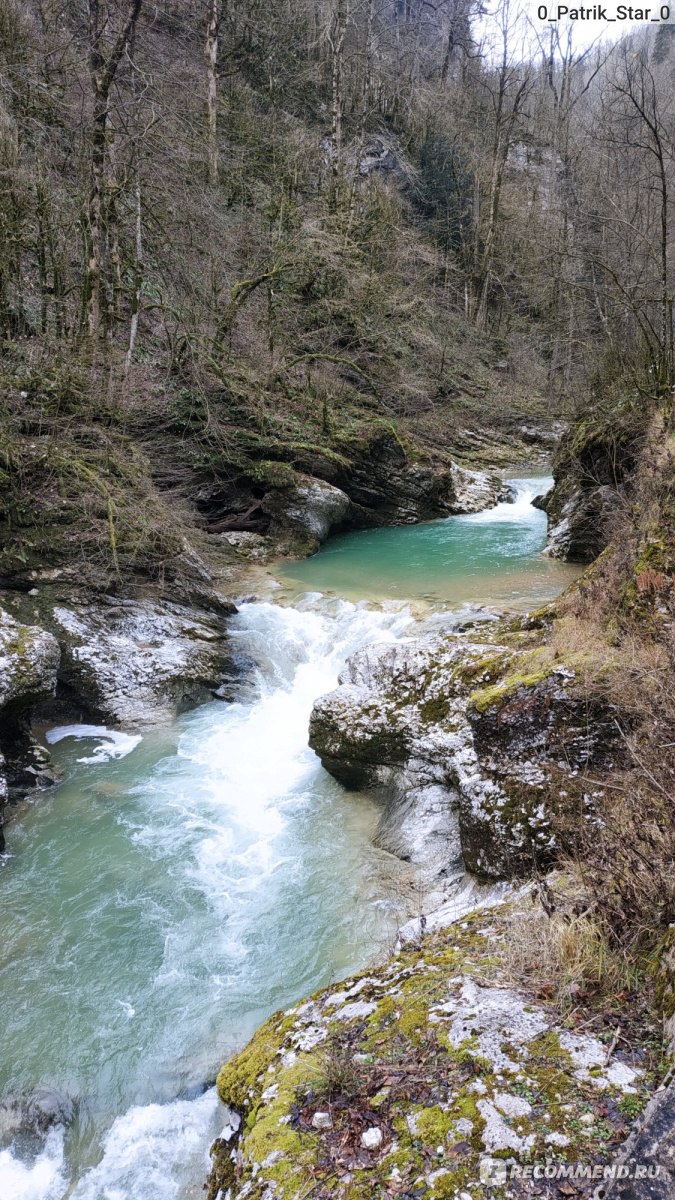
519, 508
238, 884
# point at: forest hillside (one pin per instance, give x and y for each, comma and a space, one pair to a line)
243, 243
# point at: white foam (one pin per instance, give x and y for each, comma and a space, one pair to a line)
520, 510
41, 1179
152, 1152
113, 743
254, 759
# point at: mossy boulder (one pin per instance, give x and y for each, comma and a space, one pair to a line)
593, 463
486, 734
29, 659
416, 1074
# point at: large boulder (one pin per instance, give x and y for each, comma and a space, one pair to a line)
29, 660
424, 1076
475, 733
307, 513
139, 661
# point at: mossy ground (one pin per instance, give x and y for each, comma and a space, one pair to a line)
430, 1091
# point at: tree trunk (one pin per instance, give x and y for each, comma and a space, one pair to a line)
338, 34
102, 71
212, 30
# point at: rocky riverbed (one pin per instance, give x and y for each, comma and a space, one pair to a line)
475, 741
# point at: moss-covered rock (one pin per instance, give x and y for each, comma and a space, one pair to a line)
592, 465
29, 659
481, 734
414, 1074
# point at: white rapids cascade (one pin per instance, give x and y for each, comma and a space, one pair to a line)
518, 508
228, 817
182, 884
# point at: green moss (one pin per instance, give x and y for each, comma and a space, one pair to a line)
413, 1019
412, 1069
435, 711
298, 1151
651, 575
487, 669
631, 1106
274, 474
223, 1171
500, 693
238, 1082
433, 1125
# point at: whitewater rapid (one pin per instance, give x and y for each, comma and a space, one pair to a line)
184, 882
228, 815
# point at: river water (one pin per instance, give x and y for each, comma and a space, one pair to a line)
184, 882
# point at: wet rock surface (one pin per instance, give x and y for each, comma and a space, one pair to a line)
140, 661
590, 471
307, 513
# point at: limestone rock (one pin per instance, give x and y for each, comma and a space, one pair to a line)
474, 491
310, 511
457, 1067
463, 740
651, 1148
253, 546
139, 661
580, 527
322, 1120
589, 471
389, 489
29, 659
371, 1139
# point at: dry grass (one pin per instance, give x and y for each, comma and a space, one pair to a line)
563, 950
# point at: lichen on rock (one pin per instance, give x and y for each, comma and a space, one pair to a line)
464, 740
420, 1070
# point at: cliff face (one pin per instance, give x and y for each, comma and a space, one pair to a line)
102, 658
593, 468
483, 733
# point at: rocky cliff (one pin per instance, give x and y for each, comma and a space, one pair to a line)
102, 658
29, 660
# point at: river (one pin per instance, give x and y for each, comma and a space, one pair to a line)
184, 882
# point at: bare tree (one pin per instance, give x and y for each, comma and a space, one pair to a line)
215, 17
508, 87
103, 66
642, 116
